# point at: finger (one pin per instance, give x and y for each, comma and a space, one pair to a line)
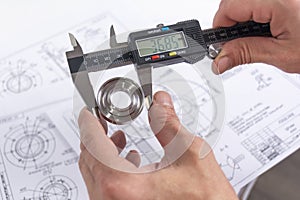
99, 145
94, 138
85, 118
134, 157
173, 137
119, 140
163, 119
86, 174
247, 50
232, 11
220, 18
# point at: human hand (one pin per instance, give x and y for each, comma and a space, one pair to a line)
281, 51
189, 177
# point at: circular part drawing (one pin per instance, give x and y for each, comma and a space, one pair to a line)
17, 84
56, 188
36, 147
29, 146
22, 78
231, 165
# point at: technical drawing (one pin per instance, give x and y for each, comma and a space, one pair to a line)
261, 79
189, 108
56, 188
19, 77
232, 165
139, 137
70, 119
31, 143
5, 187
265, 145
44, 63
91, 35
56, 56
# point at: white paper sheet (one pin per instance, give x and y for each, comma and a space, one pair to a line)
262, 122
39, 145
262, 111
36, 160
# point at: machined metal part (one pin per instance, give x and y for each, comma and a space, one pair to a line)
145, 77
113, 40
81, 79
214, 50
113, 113
95, 111
77, 52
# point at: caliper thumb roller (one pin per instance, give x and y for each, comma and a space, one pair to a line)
147, 49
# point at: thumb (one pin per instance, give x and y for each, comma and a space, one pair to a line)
245, 50
171, 134
163, 119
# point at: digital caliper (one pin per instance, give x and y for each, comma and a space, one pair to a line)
147, 49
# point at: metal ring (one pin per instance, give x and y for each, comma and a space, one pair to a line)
111, 112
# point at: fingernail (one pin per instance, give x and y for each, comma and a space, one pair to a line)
163, 99
223, 64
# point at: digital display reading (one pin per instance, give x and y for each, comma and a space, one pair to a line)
160, 44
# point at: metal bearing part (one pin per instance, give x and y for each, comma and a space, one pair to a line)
113, 113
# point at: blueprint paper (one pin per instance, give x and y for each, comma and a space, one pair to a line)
36, 160
39, 144
262, 119
261, 126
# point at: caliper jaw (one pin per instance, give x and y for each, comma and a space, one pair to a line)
80, 76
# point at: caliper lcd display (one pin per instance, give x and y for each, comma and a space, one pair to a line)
161, 44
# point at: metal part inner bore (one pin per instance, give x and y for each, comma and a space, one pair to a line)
113, 113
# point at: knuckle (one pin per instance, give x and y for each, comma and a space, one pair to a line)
195, 147
170, 113
163, 119
110, 188
115, 189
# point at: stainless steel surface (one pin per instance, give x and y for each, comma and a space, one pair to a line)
81, 79
82, 83
148, 102
214, 50
95, 111
145, 77
73, 40
77, 52
113, 40
113, 113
